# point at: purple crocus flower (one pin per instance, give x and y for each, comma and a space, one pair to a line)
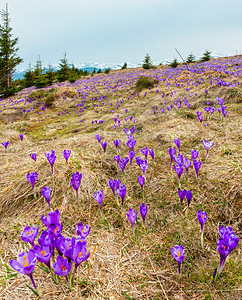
178, 254
172, 152
143, 165
152, 154
141, 181
208, 145
98, 137
189, 197
117, 143
123, 162
51, 157
117, 158
52, 220
99, 198
46, 238
143, 211
33, 156
66, 155
21, 136
178, 159
145, 151
187, 163
75, 182
62, 267
121, 192
111, 183
25, 264
5, 144
131, 156
104, 146
182, 194
178, 143
66, 247
197, 166
82, 230
46, 192
202, 218
194, 154
29, 234
138, 160
79, 254
131, 144
179, 171
32, 177
132, 214
225, 245
43, 254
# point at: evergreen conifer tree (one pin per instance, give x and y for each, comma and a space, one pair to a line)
8, 53
29, 77
64, 71
147, 63
190, 58
206, 56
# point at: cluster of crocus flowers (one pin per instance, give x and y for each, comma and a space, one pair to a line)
71, 251
178, 254
202, 218
132, 214
184, 193
227, 242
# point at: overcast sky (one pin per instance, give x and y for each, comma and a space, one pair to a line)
115, 31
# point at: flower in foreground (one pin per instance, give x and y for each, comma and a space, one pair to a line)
187, 163
143, 211
131, 156
32, 177
99, 198
207, 146
98, 137
43, 254
46, 192
132, 214
25, 264
152, 154
79, 254
62, 267
82, 230
225, 245
178, 254
21, 136
202, 218
66, 155
29, 234
75, 182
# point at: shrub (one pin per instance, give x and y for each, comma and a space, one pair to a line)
174, 63
145, 82
107, 71
49, 101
